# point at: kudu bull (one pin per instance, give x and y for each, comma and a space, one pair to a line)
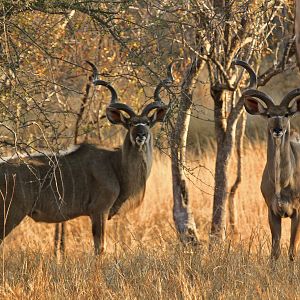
280, 183
88, 181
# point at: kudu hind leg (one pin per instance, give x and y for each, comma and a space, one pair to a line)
295, 236
59, 239
98, 229
275, 226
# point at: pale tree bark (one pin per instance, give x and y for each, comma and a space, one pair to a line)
232, 213
182, 213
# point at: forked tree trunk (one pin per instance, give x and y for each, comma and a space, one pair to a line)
225, 127
182, 214
232, 214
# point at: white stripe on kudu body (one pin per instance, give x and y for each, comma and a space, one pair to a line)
277, 169
49, 154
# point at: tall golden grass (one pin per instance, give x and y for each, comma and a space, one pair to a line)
144, 258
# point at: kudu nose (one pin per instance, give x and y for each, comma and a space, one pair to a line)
141, 135
277, 130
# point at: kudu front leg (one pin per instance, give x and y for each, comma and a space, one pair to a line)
98, 229
10, 219
116, 207
275, 226
295, 236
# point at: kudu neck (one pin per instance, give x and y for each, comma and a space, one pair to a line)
134, 156
279, 160
281, 145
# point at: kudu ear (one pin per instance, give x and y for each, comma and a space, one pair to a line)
254, 107
115, 116
158, 115
295, 107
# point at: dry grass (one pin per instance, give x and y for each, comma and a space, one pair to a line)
145, 260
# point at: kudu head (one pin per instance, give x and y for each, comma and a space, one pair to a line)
138, 125
259, 103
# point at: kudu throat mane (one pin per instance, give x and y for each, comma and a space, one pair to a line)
277, 170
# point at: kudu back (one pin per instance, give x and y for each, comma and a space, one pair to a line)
88, 180
280, 185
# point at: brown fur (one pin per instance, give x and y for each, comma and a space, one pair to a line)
85, 182
280, 183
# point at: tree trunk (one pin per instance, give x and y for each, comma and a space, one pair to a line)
220, 192
182, 214
233, 231
225, 127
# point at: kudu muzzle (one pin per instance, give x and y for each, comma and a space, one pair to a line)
278, 129
278, 132
141, 134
